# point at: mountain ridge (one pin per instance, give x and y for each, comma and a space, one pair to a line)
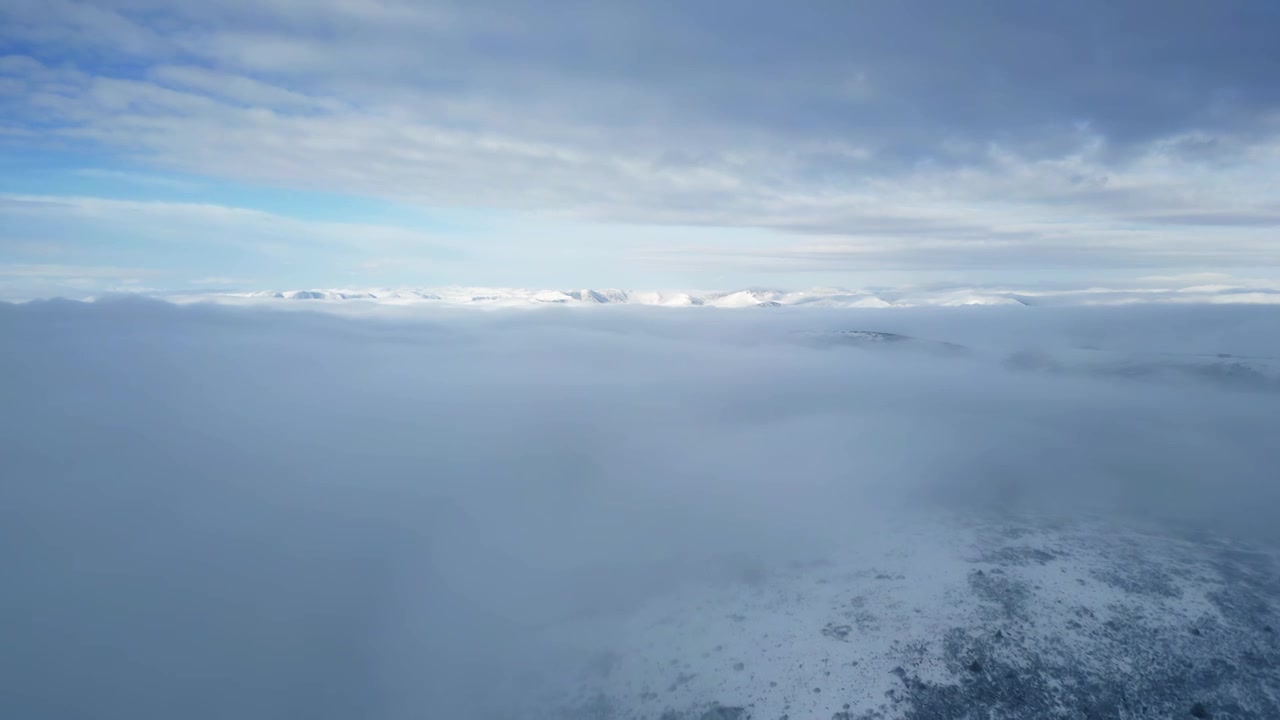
822, 297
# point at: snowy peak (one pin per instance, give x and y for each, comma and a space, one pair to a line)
608, 295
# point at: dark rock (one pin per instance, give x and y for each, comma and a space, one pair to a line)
1018, 556
681, 679
1008, 597
839, 632
1199, 711
720, 712
975, 667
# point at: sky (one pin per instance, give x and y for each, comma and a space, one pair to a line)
276, 144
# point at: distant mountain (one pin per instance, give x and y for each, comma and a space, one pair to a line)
753, 297
507, 297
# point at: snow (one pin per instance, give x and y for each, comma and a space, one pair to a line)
869, 629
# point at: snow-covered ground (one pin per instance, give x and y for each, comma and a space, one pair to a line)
948, 617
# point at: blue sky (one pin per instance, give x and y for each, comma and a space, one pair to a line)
323, 143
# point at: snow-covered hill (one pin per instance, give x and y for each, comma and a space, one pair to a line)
949, 618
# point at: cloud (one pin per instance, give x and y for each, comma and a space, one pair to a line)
998, 134
138, 178
236, 88
24, 280
336, 517
164, 237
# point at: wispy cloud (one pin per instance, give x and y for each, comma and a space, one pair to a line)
140, 178
162, 217
189, 240
22, 281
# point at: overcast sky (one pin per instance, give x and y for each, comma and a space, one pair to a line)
296, 143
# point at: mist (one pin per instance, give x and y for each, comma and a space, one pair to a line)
211, 512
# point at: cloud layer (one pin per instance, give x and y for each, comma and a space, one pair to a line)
244, 512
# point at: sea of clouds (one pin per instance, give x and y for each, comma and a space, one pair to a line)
213, 512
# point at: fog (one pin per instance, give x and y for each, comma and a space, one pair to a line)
211, 512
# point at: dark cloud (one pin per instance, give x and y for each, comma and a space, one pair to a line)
907, 75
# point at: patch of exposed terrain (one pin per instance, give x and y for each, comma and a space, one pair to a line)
959, 619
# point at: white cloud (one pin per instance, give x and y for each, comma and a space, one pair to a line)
237, 89
390, 99
1157, 207
234, 225
22, 281
140, 178
191, 240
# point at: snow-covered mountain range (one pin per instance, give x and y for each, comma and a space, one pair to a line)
599, 296
756, 297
